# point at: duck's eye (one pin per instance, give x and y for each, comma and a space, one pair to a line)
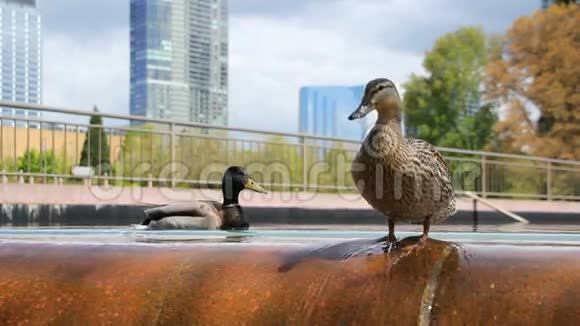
381, 87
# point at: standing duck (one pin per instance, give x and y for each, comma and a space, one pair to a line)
405, 179
202, 214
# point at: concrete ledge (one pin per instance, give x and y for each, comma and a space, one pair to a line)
270, 284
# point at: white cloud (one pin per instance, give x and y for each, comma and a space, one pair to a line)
275, 49
271, 59
342, 42
78, 75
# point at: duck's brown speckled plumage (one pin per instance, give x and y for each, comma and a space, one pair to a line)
405, 179
415, 181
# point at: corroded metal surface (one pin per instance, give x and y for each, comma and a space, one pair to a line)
352, 283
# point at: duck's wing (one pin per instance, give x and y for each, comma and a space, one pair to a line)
428, 154
217, 205
431, 166
198, 209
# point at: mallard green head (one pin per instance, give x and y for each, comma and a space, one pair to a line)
234, 181
380, 94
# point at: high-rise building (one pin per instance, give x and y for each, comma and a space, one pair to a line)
324, 111
179, 60
20, 56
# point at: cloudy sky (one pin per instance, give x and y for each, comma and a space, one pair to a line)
276, 46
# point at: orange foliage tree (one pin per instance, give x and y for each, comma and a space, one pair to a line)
537, 65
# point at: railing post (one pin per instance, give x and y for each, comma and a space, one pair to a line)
549, 180
304, 164
65, 148
483, 176
172, 153
89, 162
4, 177
475, 216
1, 141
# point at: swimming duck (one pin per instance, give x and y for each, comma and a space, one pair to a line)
405, 179
212, 215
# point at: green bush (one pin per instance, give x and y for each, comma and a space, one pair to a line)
33, 161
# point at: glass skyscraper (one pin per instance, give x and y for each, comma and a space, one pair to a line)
179, 60
324, 111
20, 55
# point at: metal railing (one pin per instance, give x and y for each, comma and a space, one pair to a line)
493, 206
150, 152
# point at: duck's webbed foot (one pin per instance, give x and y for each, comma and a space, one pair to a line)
390, 246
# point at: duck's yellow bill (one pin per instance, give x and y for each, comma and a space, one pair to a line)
252, 185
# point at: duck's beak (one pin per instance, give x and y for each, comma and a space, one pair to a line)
360, 112
252, 185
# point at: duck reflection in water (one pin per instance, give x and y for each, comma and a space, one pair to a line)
228, 239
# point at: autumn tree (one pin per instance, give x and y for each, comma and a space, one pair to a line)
534, 69
444, 108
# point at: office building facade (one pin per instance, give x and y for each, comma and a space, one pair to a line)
324, 111
179, 60
20, 56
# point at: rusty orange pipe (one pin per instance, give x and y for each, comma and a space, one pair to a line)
435, 283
